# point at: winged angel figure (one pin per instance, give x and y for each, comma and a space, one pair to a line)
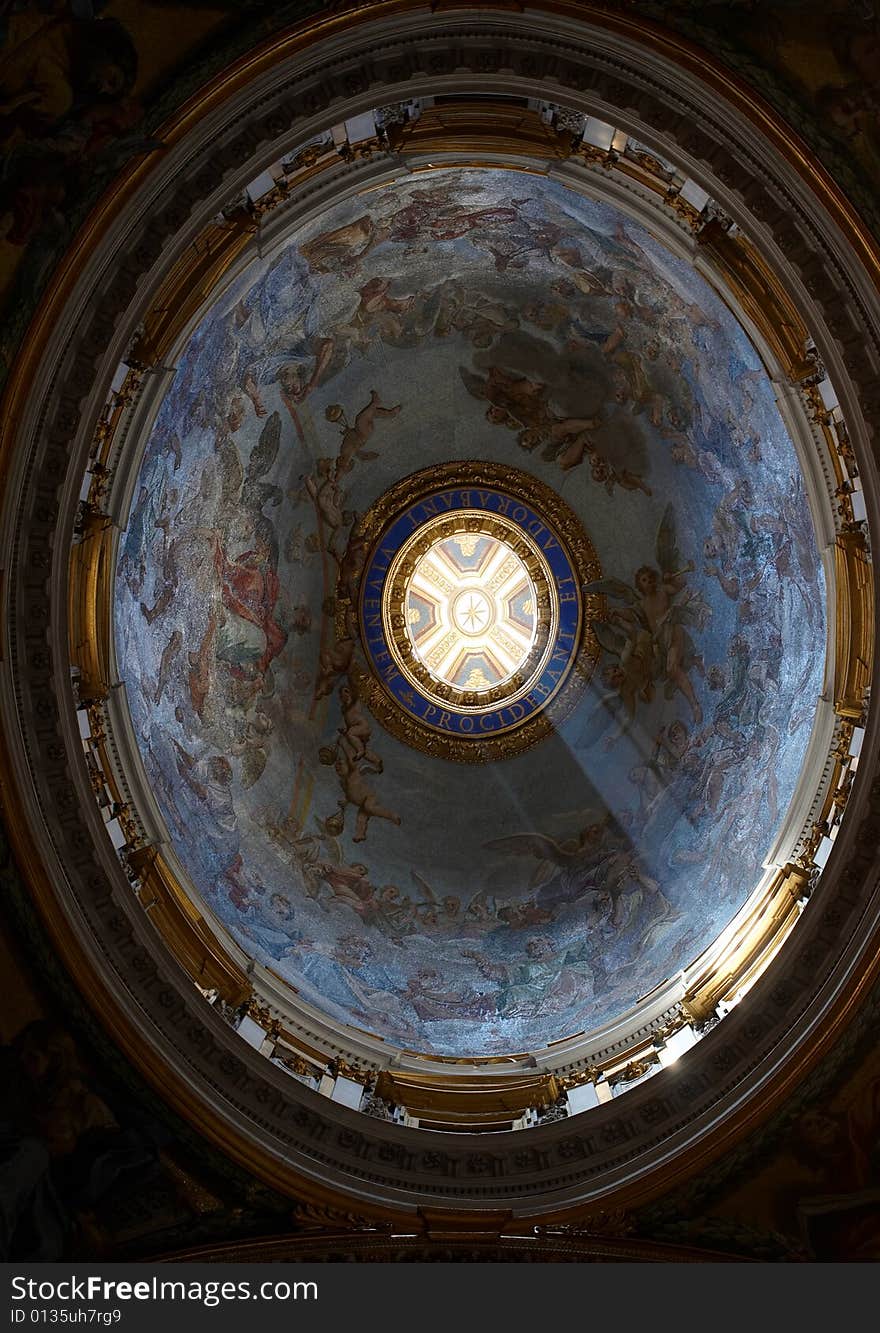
599, 870
648, 634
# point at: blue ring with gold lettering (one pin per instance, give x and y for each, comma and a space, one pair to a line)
480, 536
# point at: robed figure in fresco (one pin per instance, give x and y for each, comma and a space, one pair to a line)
249, 637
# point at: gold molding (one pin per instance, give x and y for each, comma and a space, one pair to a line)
761, 296
759, 935
186, 932
90, 598
479, 129
854, 624
447, 1101
187, 287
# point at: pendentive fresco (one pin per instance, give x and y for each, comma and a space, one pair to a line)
451, 907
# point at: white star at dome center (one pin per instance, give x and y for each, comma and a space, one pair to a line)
475, 613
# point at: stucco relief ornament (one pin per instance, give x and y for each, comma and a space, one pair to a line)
475, 637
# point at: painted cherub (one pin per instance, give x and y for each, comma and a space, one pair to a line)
357, 793
355, 436
355, 732
328, 500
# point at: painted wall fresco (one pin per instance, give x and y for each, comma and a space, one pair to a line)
82, 93
493, 316
87, 1168
826, 56
814, 1193
90, 1163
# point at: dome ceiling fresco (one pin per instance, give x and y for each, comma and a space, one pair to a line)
476, 317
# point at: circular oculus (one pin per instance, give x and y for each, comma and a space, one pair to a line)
471, 610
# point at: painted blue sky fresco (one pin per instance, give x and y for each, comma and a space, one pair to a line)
495, 316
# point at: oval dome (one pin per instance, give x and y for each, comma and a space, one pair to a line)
509, 338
